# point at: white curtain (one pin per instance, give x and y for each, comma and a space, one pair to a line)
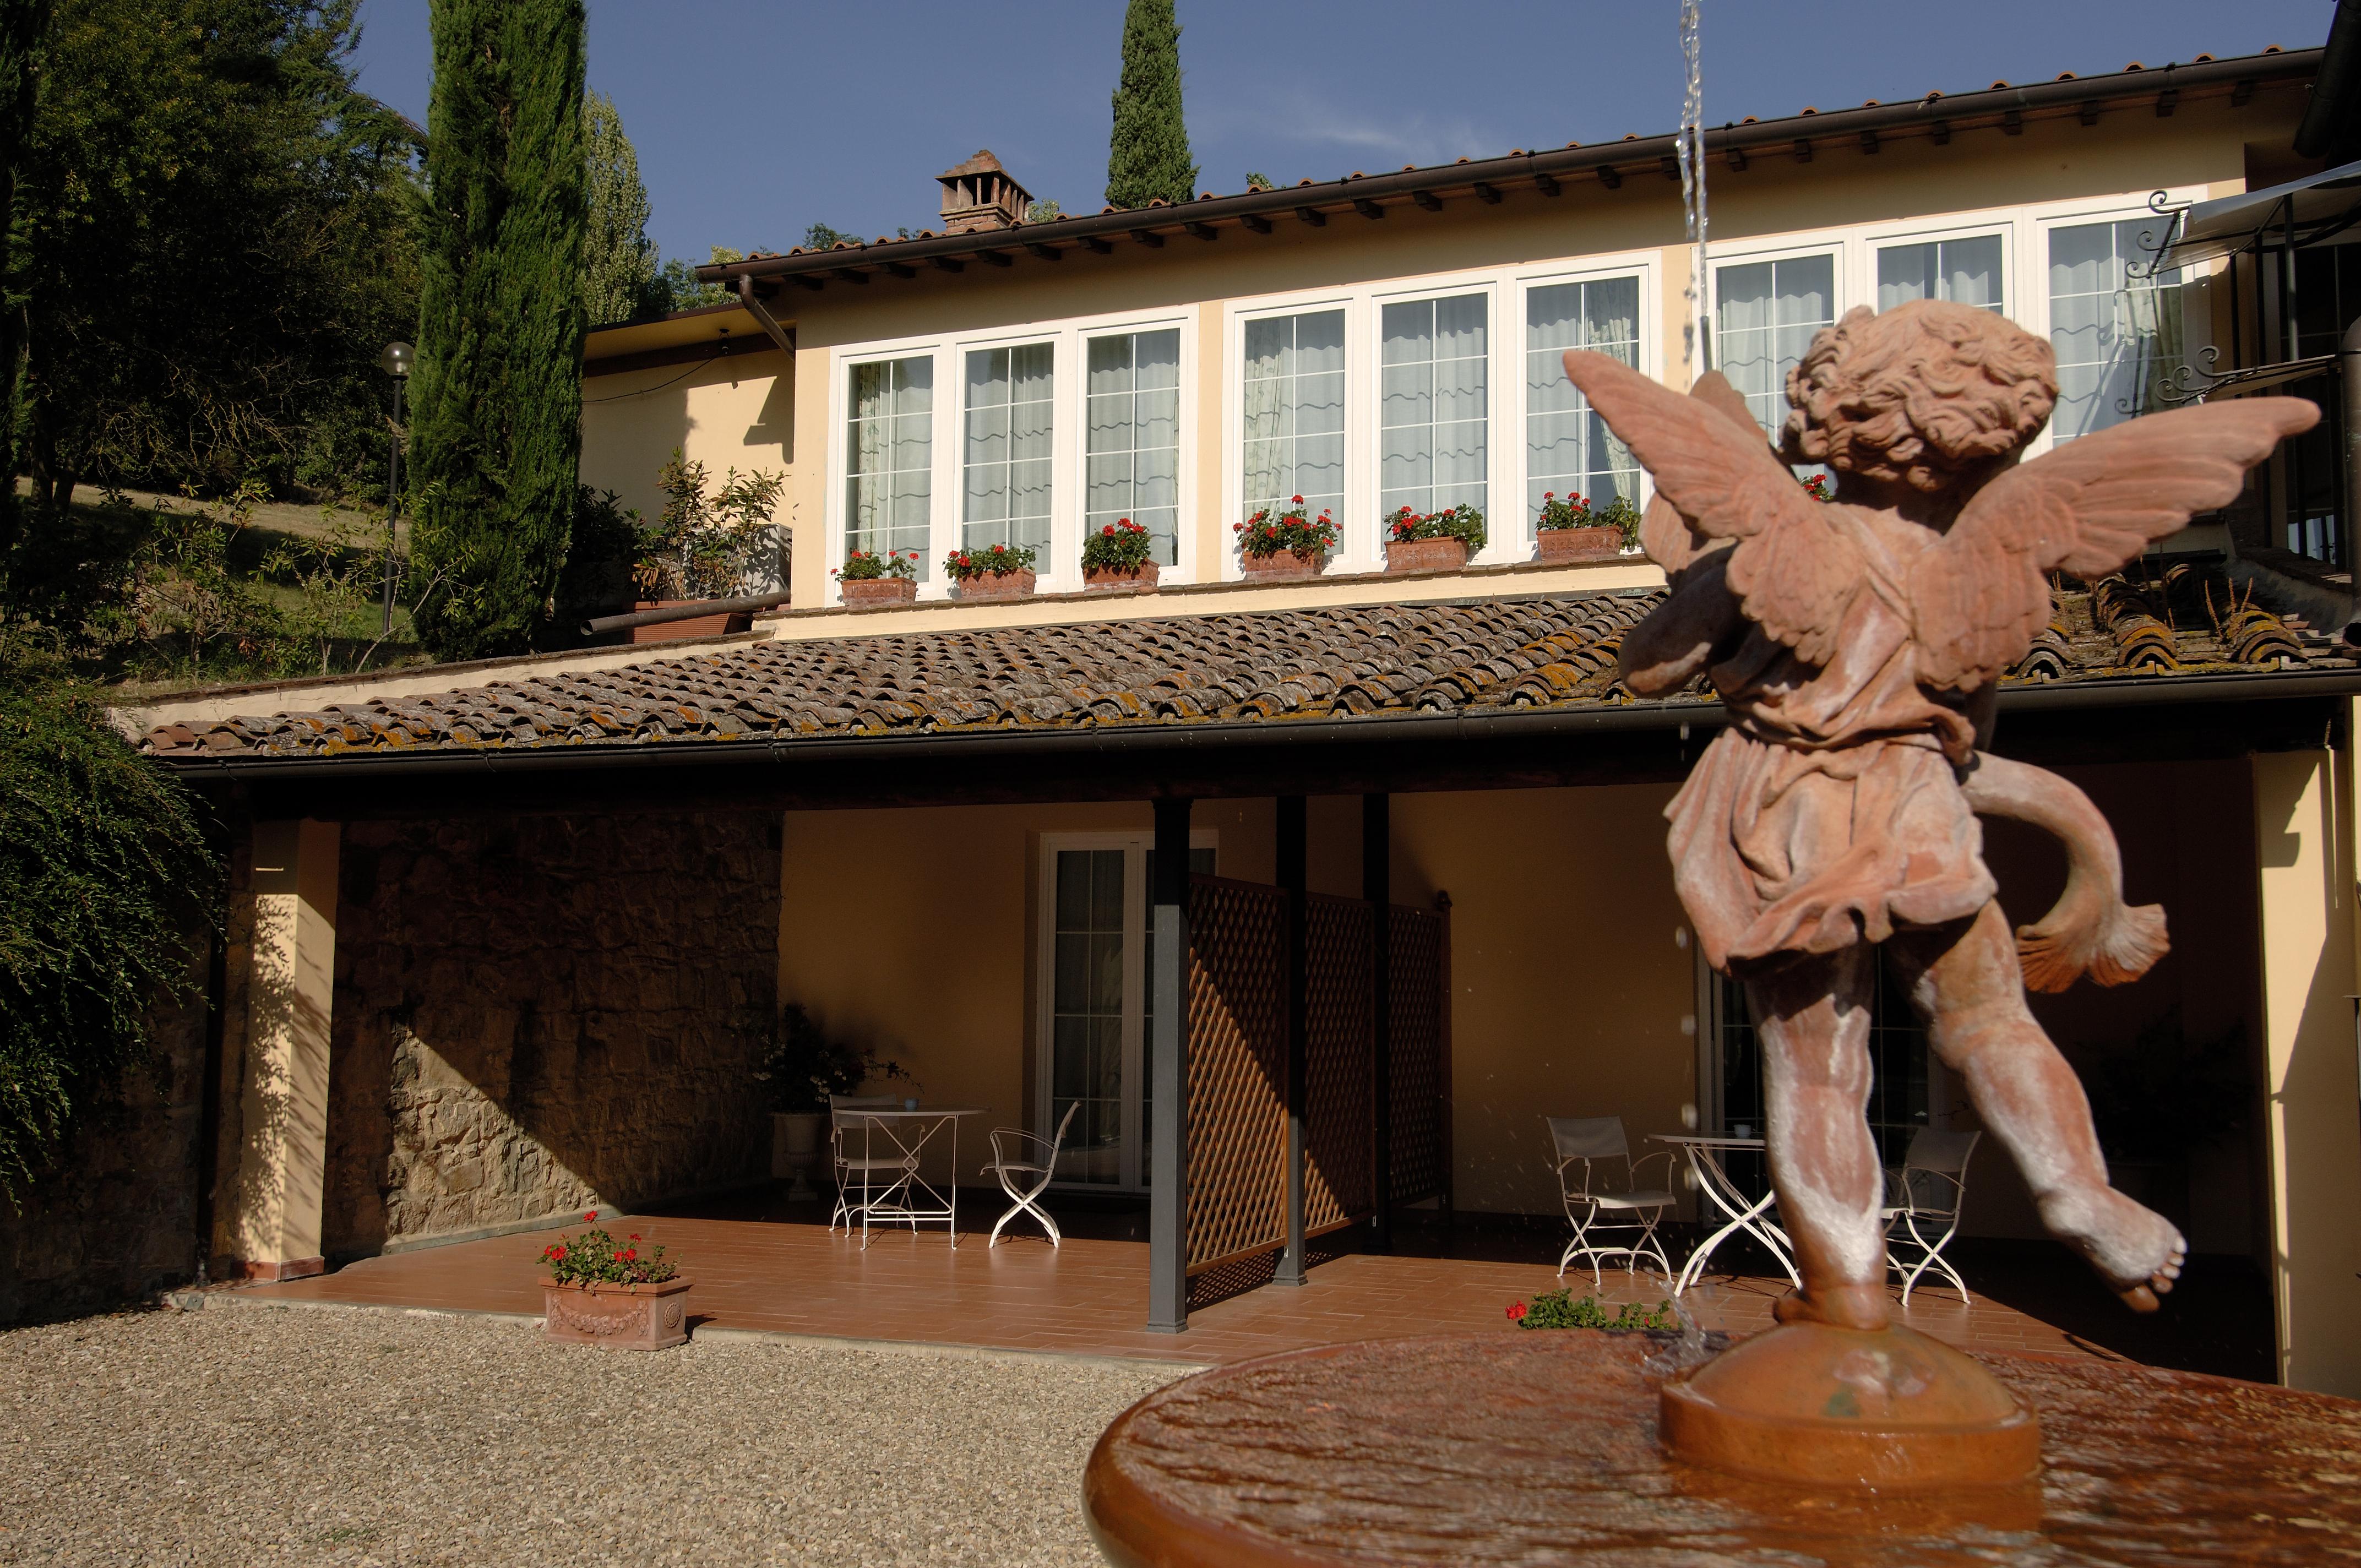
2117, 335
1294, 399
1433, 405
1131, 437
1568, 449
1007, 460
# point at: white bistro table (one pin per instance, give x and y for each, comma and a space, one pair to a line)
900, 1134
1742, 1214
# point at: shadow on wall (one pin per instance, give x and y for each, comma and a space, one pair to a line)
728, 414
543, 1015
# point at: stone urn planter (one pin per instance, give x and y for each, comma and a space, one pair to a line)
997, 585
697, 626
795, 1149
862, 592
1426, 554
617, 1317
1141, 577
1578, 543
1286, 565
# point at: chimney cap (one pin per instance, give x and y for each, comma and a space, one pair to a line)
981, 194
982, 163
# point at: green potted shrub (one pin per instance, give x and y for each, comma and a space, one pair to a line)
803, 1067
996, 572
1571, 528
617, 1295
702, 546
1437, 542
870, 578
1115, 556
1285, 543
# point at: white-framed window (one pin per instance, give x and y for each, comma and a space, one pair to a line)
1006, 453
1433, 404
1568, 448
889, 457
2116, 329
1096, 988
1765, 313
1132, 453
1967, 270
1292, 391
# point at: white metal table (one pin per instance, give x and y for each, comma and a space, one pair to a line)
1743, 1213
910, 1199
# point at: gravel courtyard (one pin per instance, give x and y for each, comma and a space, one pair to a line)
316, 1436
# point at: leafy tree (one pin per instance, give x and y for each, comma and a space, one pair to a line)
100, 857
22, 24
819, 237
1148, 156
702, 544
496, 430
1259, 182
1042, 211
686, 293
620, 276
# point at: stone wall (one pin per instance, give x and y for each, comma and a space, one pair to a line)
114, 1218
537, 1015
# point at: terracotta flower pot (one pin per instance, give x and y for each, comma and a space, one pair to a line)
860, 591
617, 1317
697, 626
997, 585
1578, 543
1142, 577
1284, 566
1426, 554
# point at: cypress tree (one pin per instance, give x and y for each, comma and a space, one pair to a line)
620, 278
22, 22
495, 428
1148, 156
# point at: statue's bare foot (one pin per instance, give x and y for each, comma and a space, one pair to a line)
2134, 1249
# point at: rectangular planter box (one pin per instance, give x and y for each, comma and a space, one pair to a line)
1426, 554
860, 591
617, 1317
697, 626
1578, 543
1286, 565
997, 585
1142, 577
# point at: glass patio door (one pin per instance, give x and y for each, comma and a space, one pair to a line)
1097, 977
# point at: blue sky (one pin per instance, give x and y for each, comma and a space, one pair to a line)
755, 118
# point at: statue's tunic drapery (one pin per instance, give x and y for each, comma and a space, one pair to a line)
1831, 812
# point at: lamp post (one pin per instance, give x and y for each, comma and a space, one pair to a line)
395, 362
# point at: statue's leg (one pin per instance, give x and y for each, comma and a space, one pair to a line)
1964, 982
1812, 1017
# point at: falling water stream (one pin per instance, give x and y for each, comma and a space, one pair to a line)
1690, 146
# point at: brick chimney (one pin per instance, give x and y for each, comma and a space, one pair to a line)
979, 195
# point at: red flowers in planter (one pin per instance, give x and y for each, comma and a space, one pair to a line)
862, 566
1290, 531
1122, 545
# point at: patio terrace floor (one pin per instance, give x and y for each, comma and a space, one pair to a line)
792, 1276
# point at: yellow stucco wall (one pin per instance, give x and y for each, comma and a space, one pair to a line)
733, 412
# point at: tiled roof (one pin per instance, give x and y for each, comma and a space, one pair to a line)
1548, 651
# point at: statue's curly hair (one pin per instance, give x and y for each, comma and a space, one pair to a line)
1920, 393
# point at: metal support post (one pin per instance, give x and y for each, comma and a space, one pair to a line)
1377, 888
1168, 1188
1294, 878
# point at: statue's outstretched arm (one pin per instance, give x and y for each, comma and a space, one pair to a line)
1688, 632
2091, 930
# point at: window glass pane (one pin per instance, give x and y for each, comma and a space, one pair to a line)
1294, 425
2116, 329
889, 461
1086, 1024
1964, 271
1432, 405
1568, 449
1132, 437
1006, 462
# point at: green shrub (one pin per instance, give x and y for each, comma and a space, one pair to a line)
1561, 1310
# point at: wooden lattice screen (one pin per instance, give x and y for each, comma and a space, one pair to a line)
1237, 1071
1420, 984
1339, 1103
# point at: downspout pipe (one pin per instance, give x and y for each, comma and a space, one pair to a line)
2348, 366
2327, 126
779, 334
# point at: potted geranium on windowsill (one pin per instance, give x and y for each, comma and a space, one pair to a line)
802, 1068
1570, 528
1437, 542
1114, 555
1285, 543
870, 578
996, 572
618, 1295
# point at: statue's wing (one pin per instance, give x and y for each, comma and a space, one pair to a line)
1980, 595
1667, 537
1795, 571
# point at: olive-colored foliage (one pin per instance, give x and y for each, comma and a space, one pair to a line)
621, 280
705, 542
496, 434
212, 243
105, 874
1147, 153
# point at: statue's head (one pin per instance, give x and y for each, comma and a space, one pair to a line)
1926, 393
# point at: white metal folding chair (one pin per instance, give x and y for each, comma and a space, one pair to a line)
1024, 1163
858, 1162
1924, 1197
1588, 1142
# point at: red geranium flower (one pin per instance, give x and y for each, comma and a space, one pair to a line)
1517, 1312
1297, 500
1108, 531
591, 1215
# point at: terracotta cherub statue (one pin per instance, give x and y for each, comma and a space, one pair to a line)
1857, 644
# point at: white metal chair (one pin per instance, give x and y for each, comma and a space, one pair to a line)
857, 1162
1025, 1164
1588, 1142
1924, 1197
